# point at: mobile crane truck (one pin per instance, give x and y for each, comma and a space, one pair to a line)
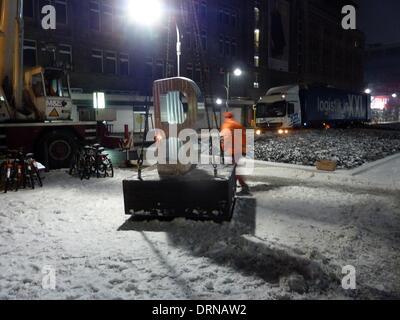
36, 103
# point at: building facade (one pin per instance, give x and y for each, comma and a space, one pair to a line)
382, 77
275, 42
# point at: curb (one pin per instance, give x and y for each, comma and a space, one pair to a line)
266, 164
373, 165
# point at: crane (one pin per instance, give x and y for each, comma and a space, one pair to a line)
36, 102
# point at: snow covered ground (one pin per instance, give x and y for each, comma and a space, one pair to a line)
289, 240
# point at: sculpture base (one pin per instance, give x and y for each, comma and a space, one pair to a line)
198, 195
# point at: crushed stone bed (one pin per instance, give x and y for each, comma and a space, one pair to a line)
351, 148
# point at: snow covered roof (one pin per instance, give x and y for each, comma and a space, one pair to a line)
283, 90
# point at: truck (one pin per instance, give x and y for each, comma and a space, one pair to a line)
299, 106
36, 104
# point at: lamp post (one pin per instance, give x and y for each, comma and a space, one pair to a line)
178, 48
149, 12
237, 73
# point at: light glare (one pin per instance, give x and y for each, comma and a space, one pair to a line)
146, 12
237, 72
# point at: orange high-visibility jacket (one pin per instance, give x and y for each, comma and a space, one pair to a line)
227, 133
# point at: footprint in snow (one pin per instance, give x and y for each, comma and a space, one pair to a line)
116, 281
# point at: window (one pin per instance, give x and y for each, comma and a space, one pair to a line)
159, 70
221, 16
94, 17
97, 61
221, 45
118, 19
271, 110
233, 48
257, 38
203, 10
170, 69
227, 47
148, 69
107, 19
37, 85
62, 11
226, 17
65, 53
207, 73
47, 57
290, 108
204, 40
29, 9
197, 74
110, 63
188, 40
189, 71
30, 53
257, 15
124, 64
234, 20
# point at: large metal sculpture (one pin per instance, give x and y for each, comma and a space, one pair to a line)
176, 102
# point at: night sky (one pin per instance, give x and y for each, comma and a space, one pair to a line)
380, 20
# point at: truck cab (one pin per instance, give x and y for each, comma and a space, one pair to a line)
279, 109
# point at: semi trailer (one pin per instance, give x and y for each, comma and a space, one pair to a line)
36, 103
296, 106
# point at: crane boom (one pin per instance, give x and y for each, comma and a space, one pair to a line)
11, 42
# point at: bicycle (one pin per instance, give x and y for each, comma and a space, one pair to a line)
91, 161
77, 164
104, 166
7, 173
32, 171
18, 170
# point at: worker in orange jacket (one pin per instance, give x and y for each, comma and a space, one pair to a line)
229, 147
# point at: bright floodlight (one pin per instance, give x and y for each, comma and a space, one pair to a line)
145, 12
368, 91
237, 72
394, 95
219, 101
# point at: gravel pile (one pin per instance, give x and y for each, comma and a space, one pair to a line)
351, 148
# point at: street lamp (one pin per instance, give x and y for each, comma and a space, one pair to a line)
237, 73
149, 12
146, 12
219, 101
394, 95
368, 91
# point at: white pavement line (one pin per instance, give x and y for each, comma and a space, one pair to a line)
373, 165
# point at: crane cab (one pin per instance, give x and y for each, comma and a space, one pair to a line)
47, 93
